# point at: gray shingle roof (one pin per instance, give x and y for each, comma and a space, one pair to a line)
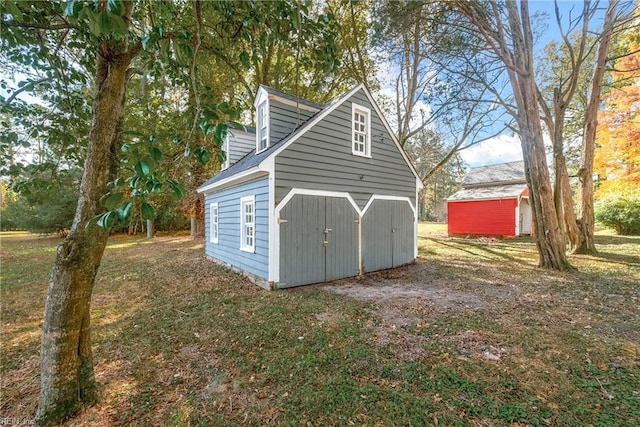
293, 98
503, 173
489, 192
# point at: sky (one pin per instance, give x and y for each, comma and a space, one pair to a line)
506, 147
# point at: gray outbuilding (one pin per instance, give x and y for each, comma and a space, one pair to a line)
325, 192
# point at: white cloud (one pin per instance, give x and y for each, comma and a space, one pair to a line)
500, 149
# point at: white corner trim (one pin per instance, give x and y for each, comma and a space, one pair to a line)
367, 147
274, 236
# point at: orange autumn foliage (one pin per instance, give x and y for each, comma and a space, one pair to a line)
617, 155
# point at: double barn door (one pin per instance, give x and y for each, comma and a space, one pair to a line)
318, 240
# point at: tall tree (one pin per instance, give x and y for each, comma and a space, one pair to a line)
103, 40
585, 173
506, 30
559, 84
436, 85
617, 154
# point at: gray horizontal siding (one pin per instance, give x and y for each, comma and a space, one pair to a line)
284, 119
228, 247
322, 160
239, 145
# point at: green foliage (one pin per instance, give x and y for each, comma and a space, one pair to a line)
45, 201
620, 212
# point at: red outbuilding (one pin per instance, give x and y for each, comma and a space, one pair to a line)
493, 201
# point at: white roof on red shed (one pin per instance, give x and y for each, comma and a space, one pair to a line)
510, 191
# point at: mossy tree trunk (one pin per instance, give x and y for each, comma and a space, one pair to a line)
67, 378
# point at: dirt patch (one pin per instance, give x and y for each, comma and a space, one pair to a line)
417, 289
405, 296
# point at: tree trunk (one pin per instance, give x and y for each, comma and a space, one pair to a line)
67, 379
549, 236
563, 199
151, 232
585, 174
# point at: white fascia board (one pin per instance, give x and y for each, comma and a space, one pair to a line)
482, 200
236, 179
261, 96
309, 192
312, 123
395, 198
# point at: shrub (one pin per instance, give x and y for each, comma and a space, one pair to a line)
620, 213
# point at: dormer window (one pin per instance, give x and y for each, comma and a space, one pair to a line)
227, 156
361, 131
262, 132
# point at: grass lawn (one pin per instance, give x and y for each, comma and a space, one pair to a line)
472, 334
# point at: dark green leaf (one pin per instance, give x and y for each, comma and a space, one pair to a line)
115, 7
156, 153
124, 210
244, 59
177, 188
117, 24
148, 211
204, 155
164, 48
107, 219
142, 168
15, 12
112, 200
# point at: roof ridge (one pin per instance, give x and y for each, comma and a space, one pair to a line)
291, 97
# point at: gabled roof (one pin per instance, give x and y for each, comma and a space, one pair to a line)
509, 191
503, 173
285, 96
252, 162
237, 127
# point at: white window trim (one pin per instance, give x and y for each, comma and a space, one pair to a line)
243, 246
264, 103
214, 225
366, 111
225, 148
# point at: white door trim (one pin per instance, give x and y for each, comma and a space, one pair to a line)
274, 257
